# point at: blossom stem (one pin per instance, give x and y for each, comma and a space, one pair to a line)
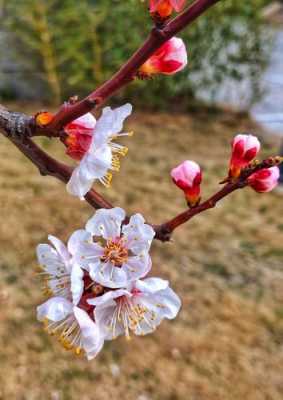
127, 72
46, 164
19, 128
71, 110
165, 230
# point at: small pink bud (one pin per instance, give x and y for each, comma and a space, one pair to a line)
264, 180
162, 9
244, 150
170, 58
187, 176
79, 136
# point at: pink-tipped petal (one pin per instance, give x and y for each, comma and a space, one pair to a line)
188, 176
244, 149
169, 59
265, 180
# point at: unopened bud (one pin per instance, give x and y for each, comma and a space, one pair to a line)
169, 59
264, 180
187, 176
244, 150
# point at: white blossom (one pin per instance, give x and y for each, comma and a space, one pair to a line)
119, 254
62, 313
139, 308
103, 154
95, 283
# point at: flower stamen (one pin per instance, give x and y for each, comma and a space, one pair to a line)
115, 252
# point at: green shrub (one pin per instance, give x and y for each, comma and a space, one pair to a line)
77, 45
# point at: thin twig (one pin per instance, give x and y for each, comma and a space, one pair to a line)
165, 230
12, 124
126, 74
19, 128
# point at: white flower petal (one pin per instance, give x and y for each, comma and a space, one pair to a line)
112, 276
165, 303
78, 237
151, 285
140, 308
104, 318
148, 324
77, 283
87, 121
106, 223
82, 125
94, 268
110, 123
54, 309
106, 299
137, 267
87, 253
98, 159
60, 247
138, 234
106, 274
78, 185
96, 162
49, 258
54, 261
92, 338
170, 301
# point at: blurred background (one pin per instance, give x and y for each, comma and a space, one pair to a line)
226, 265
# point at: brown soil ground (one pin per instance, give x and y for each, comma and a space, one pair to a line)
226, 265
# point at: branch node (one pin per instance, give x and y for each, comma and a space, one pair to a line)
212, 203
159, 33
163, 232
93, 102
16, 125
73, 99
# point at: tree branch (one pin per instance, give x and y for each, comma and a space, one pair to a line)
165, 230
19, 128
13, 125
158, 36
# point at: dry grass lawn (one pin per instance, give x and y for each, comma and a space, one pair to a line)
227, 266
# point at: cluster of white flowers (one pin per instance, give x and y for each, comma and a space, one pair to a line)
96, 284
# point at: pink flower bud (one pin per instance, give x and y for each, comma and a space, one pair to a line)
79, 135
164, 8
187, 176
244, 150
265, 180
170, 58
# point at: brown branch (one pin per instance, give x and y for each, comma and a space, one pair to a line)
165, 230
13, 125
158, 36
19, 127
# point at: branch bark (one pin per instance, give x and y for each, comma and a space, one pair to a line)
13, 125
19, 128
165, 230
158, 36
127, 73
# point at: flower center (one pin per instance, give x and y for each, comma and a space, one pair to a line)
115, 252
132, 316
